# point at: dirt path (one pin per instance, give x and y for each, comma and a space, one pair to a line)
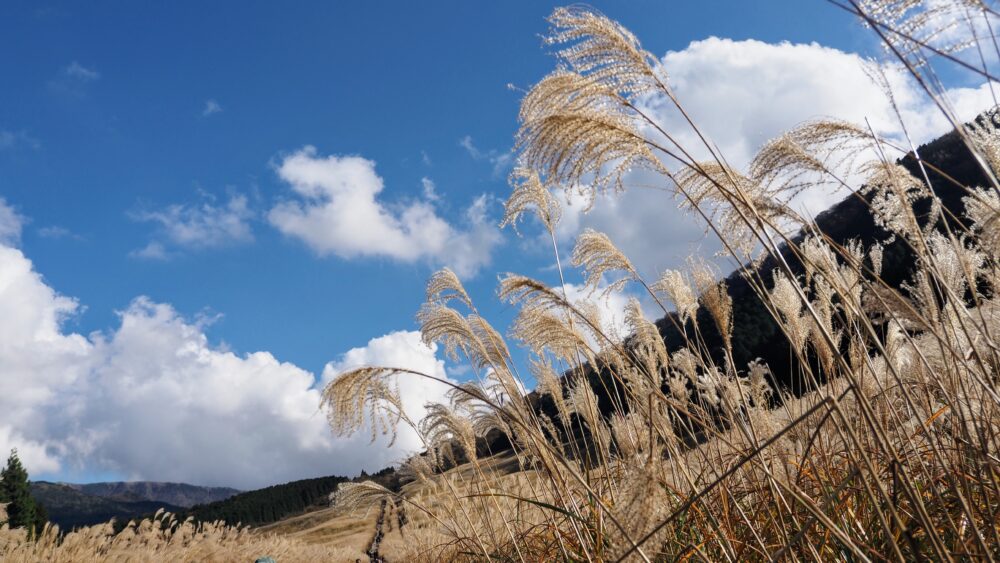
373, 554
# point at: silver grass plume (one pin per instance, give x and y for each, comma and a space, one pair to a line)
919, 24
529, 194
953, 260
841, 273
487, 406
647, 344
444, 286
546, 330
358, 496
544, 321
716, 300
442, 425
583, 402
597, 255
894, 191
472, 335
579, 133
415, 468
364, 395
603, 50
675, 286
982, 206
986, 141
802, 156
550, 383
731, 199
784, 297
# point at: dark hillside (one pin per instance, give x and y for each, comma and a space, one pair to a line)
755, 333
270, 504
177, 494
70, 507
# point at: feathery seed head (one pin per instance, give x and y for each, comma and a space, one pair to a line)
675, 286
529, 194
364, 395
595, 252
444, 286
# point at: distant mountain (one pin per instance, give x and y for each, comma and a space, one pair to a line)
177, 494
74, 505
71, 508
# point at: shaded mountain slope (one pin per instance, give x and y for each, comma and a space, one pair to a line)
177, 494
70, 507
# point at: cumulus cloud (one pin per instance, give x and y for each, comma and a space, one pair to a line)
154, 399
11, 224
185, 226
339, 212
741, 94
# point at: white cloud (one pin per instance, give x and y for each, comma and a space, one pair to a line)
339, 212
154, 399
37, 359
741, 94
197, 226
11, 224
211, 107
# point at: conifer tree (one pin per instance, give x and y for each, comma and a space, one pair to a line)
15, 490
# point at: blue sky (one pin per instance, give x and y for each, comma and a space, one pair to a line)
173, 177
391, 82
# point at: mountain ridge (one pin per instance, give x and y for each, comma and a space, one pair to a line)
72, 505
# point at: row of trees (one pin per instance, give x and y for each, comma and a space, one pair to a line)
270, 504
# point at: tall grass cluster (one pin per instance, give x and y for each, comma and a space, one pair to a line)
656, 453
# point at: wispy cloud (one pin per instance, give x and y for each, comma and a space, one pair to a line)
196, 226
501, 161
13, 139
73, 80
56, 232
153, 251
430, 189
79, 72
11, 224
212, 107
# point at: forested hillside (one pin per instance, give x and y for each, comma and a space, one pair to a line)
270, 504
